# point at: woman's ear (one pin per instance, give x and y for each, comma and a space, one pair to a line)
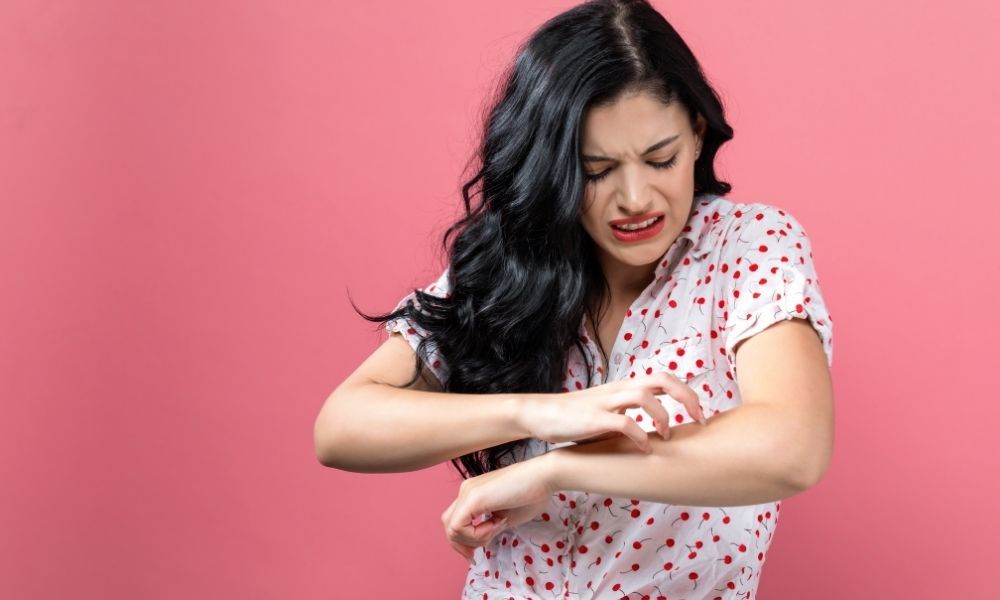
699, 133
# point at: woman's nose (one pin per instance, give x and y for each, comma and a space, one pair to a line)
633, 197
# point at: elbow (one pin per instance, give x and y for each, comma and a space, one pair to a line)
808, 452
337, 449
325, 459
329, 455
809, 469
332, 440
326, 442
324, 453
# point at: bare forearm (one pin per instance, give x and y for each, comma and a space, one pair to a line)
376, 428
734, 460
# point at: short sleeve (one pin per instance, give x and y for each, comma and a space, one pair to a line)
413, 333
772, 278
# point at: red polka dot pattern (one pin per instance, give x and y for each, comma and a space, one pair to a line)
735, 269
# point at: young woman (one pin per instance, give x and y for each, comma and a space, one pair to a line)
629, 370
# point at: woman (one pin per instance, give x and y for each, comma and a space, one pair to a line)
600, 291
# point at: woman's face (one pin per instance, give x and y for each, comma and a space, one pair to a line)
631, 172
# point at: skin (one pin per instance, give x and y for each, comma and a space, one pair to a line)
614, 140
633, 186
778, 443
633, 182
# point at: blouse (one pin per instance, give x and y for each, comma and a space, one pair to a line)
734, 270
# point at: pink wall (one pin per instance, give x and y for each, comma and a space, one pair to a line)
188, 190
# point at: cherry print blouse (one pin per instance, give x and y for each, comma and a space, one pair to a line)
735, 269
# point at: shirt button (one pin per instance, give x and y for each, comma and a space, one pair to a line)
617, 358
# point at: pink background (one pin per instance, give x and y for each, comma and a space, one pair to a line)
189, 190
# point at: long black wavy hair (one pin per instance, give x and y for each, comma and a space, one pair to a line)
522, 269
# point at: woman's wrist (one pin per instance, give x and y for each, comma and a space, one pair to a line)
523, 405
557, 468
548, 469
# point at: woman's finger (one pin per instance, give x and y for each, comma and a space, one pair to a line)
466, 552
627, 425
655, 409
664, 429
478, 535
446, 515
682, 392
642, 397
692, 405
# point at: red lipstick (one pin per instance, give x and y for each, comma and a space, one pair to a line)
639, 219
637, 234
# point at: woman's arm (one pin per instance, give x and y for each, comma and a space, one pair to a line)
725, 463
368, 426
776, 444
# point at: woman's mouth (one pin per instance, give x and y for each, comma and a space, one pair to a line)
638, 231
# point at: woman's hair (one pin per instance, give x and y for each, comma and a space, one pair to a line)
521, 268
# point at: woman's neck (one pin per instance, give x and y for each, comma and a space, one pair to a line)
626, 282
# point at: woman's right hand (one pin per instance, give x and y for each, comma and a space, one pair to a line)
597, 412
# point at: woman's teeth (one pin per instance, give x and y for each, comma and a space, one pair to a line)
635, 226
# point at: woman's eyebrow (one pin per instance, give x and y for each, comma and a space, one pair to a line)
656, 146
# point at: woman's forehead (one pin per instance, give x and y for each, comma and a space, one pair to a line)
631, 125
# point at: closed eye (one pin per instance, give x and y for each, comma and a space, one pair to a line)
655, 165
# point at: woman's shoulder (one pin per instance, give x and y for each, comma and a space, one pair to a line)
741, 213
745, 225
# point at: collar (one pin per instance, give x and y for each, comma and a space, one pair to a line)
694, 231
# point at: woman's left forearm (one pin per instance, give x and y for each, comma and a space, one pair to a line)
734, 460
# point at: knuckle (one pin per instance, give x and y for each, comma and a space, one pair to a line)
624, 422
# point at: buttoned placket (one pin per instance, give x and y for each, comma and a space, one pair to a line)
618, 349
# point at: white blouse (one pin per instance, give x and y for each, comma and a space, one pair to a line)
735, 269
